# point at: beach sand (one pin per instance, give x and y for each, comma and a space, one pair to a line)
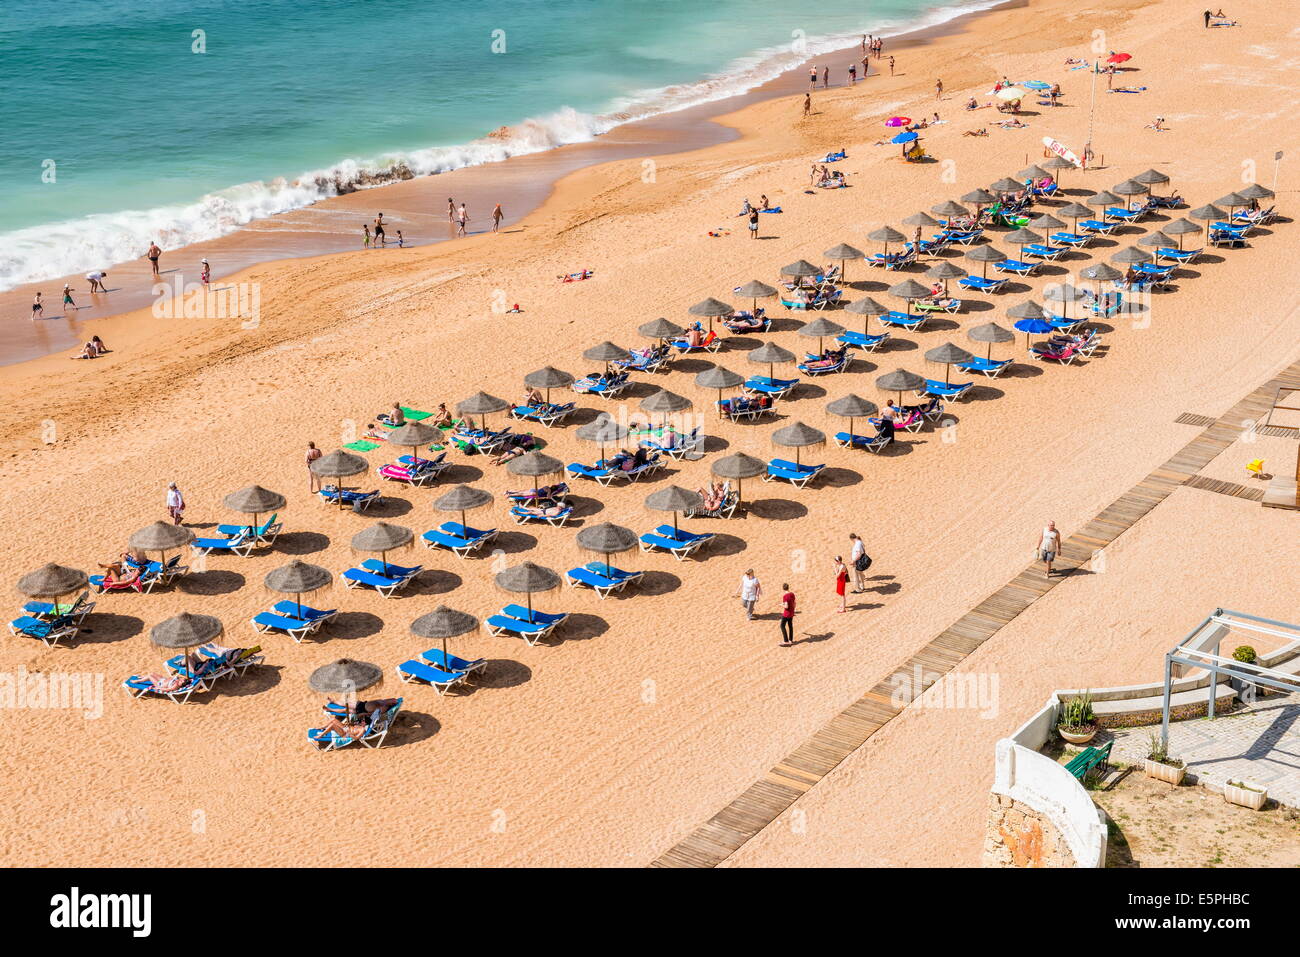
657, 708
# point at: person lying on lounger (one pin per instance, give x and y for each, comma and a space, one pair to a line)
695, 336
544, 509
374, 432
934, 405
712, 497
627, 461
120, 573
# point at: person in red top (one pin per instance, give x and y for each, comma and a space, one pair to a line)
841, 579
787, 617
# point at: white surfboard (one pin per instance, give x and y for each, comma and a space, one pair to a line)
1061, 150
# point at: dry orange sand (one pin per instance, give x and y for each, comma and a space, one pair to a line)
659, 707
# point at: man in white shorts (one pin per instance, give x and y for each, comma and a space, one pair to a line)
97, 281
750, 592
1049, 545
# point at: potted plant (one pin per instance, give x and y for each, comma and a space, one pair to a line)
1160, 765
1245, 653
1247, 690
1077, 724
1245, 795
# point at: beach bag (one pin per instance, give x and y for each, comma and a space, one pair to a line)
863, 562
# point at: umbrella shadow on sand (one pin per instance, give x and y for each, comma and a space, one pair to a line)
503, 673
777, 509
350, 625
839, 478
653, 583
389, 507
461, 474
211, 582
108, 627
508, 543
411, 727
434, 581
723, 545
301, 543
581, 627
253, 681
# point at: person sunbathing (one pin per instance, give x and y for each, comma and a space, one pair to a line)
543, 509
372, 432
120, 573
711, 497
511, 452
980, 132
441, 418
934, 405
394, 416
972, 104
532, 397
695, 336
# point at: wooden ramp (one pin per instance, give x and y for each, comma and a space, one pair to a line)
1226, 488
768, 798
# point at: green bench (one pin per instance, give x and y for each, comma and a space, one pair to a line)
1090, 759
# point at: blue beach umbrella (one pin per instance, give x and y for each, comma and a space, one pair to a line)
1030, 326
906, 136
1037, 85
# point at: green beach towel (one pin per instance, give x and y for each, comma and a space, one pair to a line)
415, 414
362, 446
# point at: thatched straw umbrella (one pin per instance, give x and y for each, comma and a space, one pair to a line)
673, 499
606, 352
843, 252
53, 582
382, 538
256, 501
771, 355
886, 235
945, 270
346, 677
719, 378
900, 381
603, 430
852, 407
798, 436
819, 329
339, 465
298, 578
414, 435
985, 255
443, 623
161, 537
738, 466
711, 309
528, 579
911, 290
754, 291
990, 332
535, 465
482, 405
607, 539
548, 378
948, 354
866, 308
462, 499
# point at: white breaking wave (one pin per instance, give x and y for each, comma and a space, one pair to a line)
104, 239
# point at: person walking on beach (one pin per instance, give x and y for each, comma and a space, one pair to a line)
866, 67
154, 254
365, 240
380, 238
812, 78
96, 280
451, 210
1049, 543
313, 454
751, 590
865, 38
807, 103
891, 66
826, 78
841, 581
853, 74
861, 561
1207, 19
38, 308
175, 503
787, 616
400, 241
67, 297
753, 224
462, 217
938, 89
497, 216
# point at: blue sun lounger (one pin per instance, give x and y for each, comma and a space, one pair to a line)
137, 686
606, 388
963, 237
372, 736
604, 580
1126, 215
305, 612
48, 631
386, 585
807, 367
762, 385
270, 622
437, 678
946, 390
989, 367
523, 516
679, 542
530, 631
460, 545
48, 610
1097, 226
358, 500
1063, 324
241, 544
797, 475
604, 476
980, 284
1071, 239
264, 534
547, 415
860, 340
449, 662
1039, 251
1017, 267
1184, 257
904, 320
872, 443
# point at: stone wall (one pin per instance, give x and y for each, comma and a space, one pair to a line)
1018, 836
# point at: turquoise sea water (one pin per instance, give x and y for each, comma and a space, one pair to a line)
122, 125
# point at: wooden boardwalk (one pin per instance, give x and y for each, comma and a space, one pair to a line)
1191, 418
768, 798
1225, 488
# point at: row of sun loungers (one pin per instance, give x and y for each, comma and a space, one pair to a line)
184, 679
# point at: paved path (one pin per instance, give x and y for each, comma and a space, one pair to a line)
1260, 745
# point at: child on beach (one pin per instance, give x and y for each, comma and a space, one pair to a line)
400, 241
205, 272
67, 298
37, 307
365, 240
